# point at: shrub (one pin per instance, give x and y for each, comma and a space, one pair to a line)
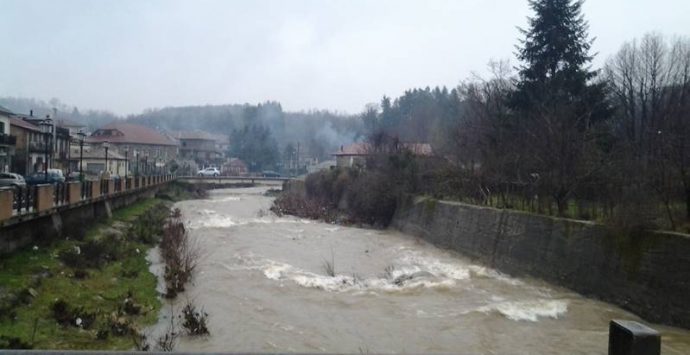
7, 342
179, 253
194, 321
94, 252
373, 199
67, 315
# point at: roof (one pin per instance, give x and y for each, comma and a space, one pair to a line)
353, 149
69, 123
363, 149
5, 110
18, 122
93, 152
194, 135
120, 132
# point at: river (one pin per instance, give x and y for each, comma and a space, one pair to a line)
264, 282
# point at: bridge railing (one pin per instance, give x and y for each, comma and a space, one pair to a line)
16, 201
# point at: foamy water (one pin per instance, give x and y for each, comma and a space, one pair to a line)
265, 282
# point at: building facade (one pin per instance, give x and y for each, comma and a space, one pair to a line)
7, 141
201, 147
147, 150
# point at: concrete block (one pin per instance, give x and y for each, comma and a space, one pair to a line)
633, 338
111, 186
44, 197
96, 189
6, 200
73, 192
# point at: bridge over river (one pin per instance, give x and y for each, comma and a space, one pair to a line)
264, 282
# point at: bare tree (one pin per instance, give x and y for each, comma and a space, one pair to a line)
650, 82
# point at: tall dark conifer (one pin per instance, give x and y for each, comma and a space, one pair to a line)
555, 54
557, 104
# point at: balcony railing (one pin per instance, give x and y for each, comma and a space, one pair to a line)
6, 139
37, 146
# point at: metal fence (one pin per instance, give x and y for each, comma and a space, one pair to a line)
24, 199
86, 190
59, 194
104, 187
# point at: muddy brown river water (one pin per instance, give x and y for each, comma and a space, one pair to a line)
264, 283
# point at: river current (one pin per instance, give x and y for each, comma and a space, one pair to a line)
265, 283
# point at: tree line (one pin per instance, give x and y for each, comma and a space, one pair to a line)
554, 135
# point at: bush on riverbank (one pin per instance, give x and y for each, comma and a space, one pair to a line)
353, 195
180, 254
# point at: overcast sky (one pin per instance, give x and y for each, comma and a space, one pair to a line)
125, 56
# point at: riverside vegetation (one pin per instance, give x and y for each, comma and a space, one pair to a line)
93, 289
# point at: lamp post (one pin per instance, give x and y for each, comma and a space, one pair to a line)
146, 165
106, 145
126, 162
136, 167
45, 128
81, 135
69, 155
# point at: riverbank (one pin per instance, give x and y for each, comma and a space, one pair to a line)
285, 284
643, 271
90, 291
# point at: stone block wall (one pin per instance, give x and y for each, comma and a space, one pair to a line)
646, 272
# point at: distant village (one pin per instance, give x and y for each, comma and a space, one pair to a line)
45, 147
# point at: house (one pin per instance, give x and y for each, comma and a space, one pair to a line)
93, 158
355, 155
222, 142
7, 141
199, 146
146, 149
60, 138
72, 127
235, 167
30, 153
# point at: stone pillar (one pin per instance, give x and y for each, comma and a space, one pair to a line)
6, 202
95, 188
73, 192
44, 197
111, 186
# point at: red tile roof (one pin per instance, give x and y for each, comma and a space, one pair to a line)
120, 132
24, 124
194, 135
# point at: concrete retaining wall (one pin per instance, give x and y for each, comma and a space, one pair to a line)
647, 273
65, 221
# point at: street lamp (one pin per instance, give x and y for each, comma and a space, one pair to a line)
46, 126
146, 165
106, 145
81, 135
126, 162
136, 167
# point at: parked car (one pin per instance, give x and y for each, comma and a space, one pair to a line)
270, 174
74, 176
11, 179
37, 178
208, 172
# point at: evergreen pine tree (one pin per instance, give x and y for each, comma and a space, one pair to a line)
555, 55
